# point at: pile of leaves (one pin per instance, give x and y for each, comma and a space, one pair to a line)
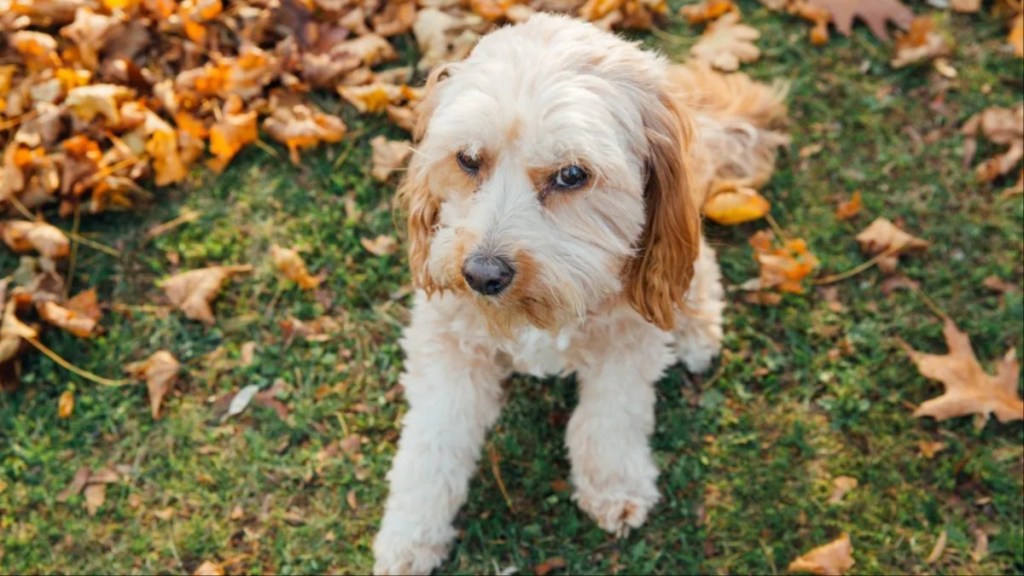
102, 100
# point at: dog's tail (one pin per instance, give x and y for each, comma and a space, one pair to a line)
741, 122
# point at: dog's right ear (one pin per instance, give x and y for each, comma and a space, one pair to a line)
422, 207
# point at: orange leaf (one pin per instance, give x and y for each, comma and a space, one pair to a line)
78, 324
849, 208
233, 132
66, 404
290, 264
707, 10
24, 236
832, 559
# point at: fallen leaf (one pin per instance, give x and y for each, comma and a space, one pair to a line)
735, 205
241, 400
980, 550
549, 565
783, 267
300, 126
95, 496
160, 371
88, 102
1003, 126
229, 135
209, 568
288, 262
968, 388
930, 449
25, 236
847, 209
382, 245
966, 6
997, 284
898, 282
66, 404
832, 559
884, 237
1016, 37
938, 549
388, 156
351, 500
726, 44
875, 14
921, 42
193, 291
165, 514
841, 486
762, 298
707, 10
78, 324
78, 482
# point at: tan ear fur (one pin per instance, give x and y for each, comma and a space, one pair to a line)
657, 278
414, 195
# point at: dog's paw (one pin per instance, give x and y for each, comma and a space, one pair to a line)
395, 554
620, 510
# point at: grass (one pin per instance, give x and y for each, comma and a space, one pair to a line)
802, 393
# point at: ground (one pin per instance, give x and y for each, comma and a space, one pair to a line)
747, 454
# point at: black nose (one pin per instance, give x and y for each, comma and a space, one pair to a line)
488, 275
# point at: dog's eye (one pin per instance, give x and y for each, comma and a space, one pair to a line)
570, 177
470, 163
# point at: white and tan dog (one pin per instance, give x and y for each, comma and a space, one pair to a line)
554, 227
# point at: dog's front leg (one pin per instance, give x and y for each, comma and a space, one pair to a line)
454, 393
613, 472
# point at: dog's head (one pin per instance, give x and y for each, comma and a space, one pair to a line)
550, 176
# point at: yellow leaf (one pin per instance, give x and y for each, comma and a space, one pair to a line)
290, 264
160, 372
832, 559
726, 44
1016, 37
87, 102
968, 388
707, 10
66, 404
301, 126
736, 205
235, 130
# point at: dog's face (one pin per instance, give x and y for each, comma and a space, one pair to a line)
550, 176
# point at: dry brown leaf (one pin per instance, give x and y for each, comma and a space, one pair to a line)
966, 6
160, 372
707, 10
726, 44
25, 236
88, 102
95, 496
388, 156
875, 14
549, 565
74, 488
997, 284
443, 37
841, 486
382, 245
938, 549
1002, 126
66, 404
930, 449
1016, 37
209, 568
847, 209
289, 263
968, 388
882, 236
832, 559
300, 126
921, 43
192, 291
980, 550
76, 323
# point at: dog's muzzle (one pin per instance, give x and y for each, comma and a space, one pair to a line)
488, 275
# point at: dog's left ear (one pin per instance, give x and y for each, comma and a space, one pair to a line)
658, 276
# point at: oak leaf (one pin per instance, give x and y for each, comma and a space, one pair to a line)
289, 263
968, 388
875, 14
736, 205
388, 156
160, 372
884, 237
726, 44
831, 559
192, 291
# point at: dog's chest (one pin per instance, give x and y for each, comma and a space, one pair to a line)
537, 352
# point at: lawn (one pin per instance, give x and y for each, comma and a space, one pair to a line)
805, 391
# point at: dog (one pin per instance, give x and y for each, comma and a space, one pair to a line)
554, 227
